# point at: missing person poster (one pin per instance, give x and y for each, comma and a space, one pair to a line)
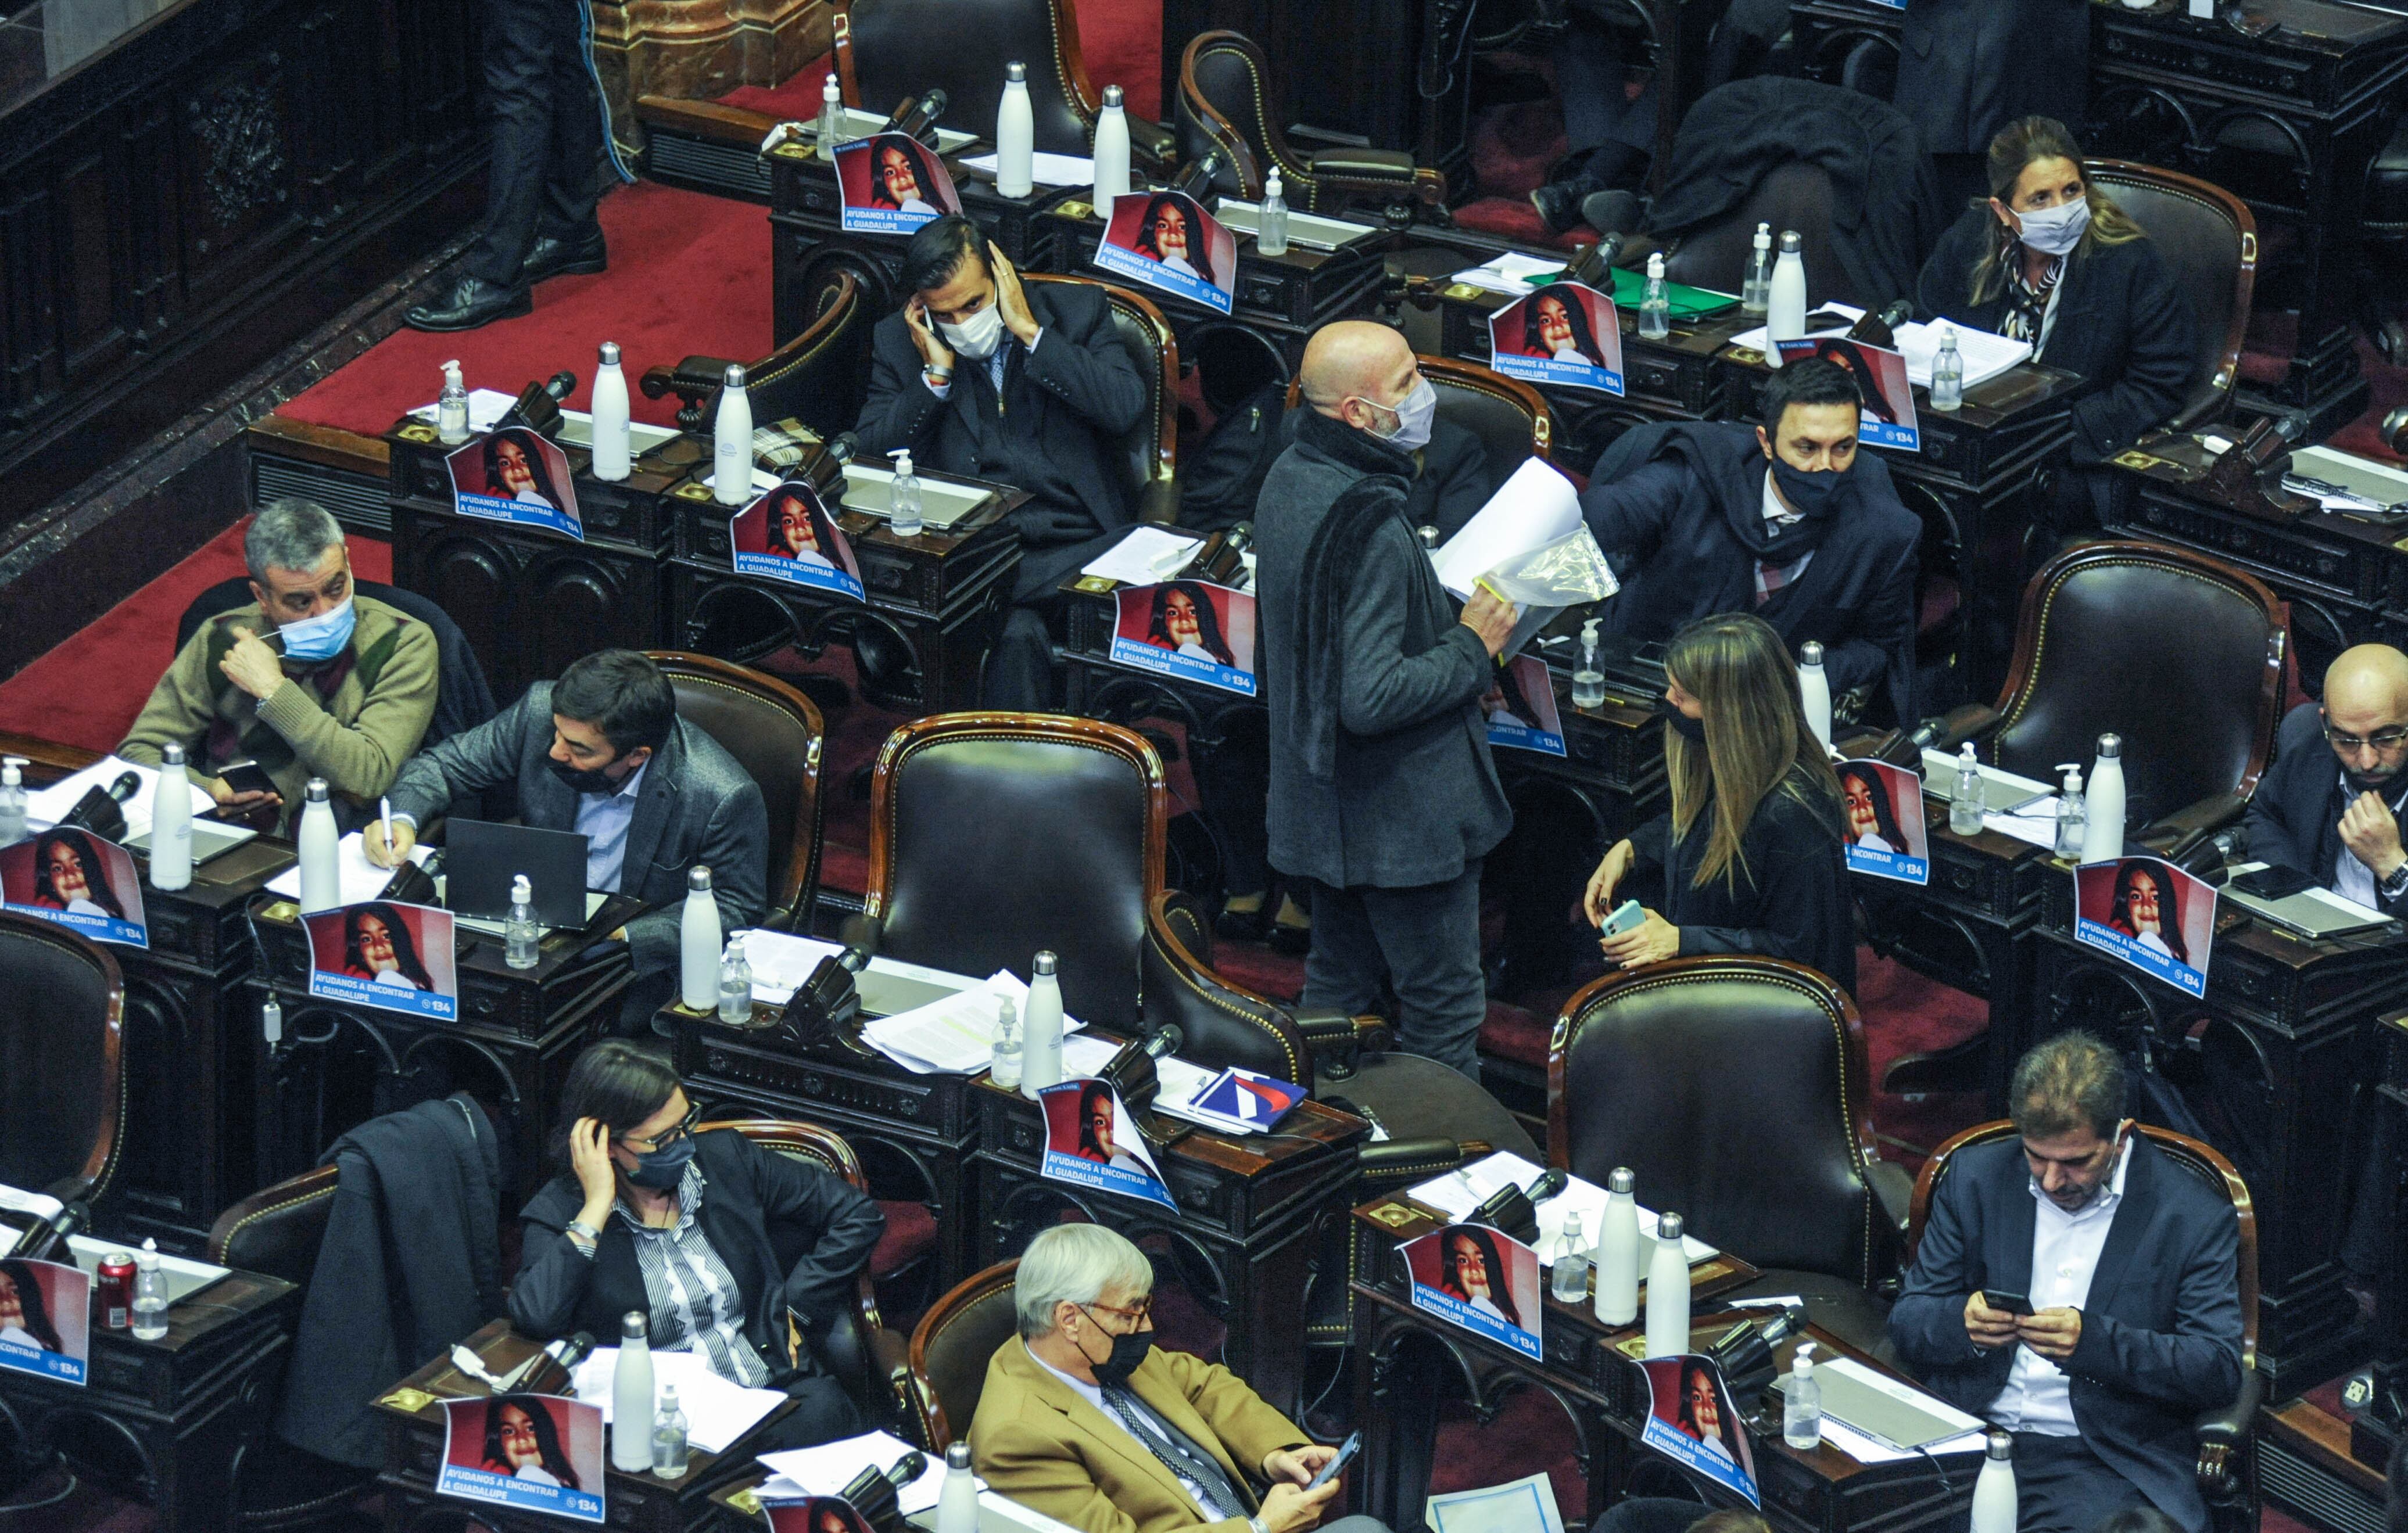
1521, 713
392, 956
1189, 629
514, 474
539, 1453
73, 877
814, 1515
1167, 240
1091, 1140
788, 535
1691, 1420
1886, 416
44, 1320
2149, 913
1481, 1280
1566, 333
1887, 837
891, 183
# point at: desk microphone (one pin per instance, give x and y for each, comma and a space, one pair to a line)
101, 811
548, 1371
876, 1493
916, 116
1881, 328
843, 447
1196, 179
47, 1241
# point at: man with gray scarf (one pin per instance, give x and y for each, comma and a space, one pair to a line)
1382, 791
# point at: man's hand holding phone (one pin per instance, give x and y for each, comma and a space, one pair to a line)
922, 330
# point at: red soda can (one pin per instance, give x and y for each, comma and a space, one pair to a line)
114, 1292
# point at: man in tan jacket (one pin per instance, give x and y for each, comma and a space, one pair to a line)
311, 681
1084, 1419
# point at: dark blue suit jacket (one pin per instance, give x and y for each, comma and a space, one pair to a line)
2295, 815
2160, 1334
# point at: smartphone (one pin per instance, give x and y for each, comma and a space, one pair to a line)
1353, 1445
1627, 917
247, 777
2013, 1304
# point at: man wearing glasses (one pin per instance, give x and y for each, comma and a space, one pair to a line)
2336, 817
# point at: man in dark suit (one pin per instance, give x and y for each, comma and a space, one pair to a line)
2128, 1265
2336, 814
1967, 68
978, 376
603, 752
1786, 520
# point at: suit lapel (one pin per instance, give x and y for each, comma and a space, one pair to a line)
2132, 1215
1153, 1388
655, 802
1096, 1426
2011, 1266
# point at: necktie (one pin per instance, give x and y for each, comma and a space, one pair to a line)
1185, 1459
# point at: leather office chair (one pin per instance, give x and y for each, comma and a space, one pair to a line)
2226, 1443
1225, 103
775, 733
1148, 450
820, 378
951, 1348
62, 1067
858, 1348
1513, 420
1795, 195
2209, 239
1735, 1087
884, 54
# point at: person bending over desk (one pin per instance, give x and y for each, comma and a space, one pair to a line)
1786, 520
1752, 851
982, 378
738, 1254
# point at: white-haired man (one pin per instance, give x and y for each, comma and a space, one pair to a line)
1084, 1419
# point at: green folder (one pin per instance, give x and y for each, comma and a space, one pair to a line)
1688, 302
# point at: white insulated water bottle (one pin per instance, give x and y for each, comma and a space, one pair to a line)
699, 944
171, 822
1015, 136
731, 441
1111, 153
612, 457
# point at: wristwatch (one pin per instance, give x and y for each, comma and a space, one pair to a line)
937, 377
1255, 1525
2396, 886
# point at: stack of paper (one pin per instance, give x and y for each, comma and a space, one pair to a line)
1464, 1188
1045, 170
1509, 273
826, 1469
46, 807
1145, 556
717, 1411
954, 1035
1984, 355
782, 961
359, 879
1864, 1446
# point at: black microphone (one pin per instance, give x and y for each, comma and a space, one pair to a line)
100, 810
1593, 266
1549, 1184
845, 446
916, 117
47, 1241
552, 1368
1881, 328
1196, 179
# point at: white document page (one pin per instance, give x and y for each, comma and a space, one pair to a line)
1533, 508
358, 877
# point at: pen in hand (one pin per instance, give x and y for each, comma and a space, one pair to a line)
384, 807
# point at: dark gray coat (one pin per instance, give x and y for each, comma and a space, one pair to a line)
697, 806
1415, 796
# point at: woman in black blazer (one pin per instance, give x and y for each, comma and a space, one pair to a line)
741, 1255
2052, 260
1753, 852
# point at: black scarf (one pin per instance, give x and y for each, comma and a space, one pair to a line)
1327, 577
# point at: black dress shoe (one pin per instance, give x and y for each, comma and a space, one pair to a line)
550, 257
1559, 205
470, 302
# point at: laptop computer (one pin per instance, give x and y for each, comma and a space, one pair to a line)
481, 860
2310, 912
2002, 792
210, 840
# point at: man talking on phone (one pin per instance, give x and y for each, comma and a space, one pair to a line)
987, 378
2127, 1265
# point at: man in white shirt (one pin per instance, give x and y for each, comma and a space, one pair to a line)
2080, 1290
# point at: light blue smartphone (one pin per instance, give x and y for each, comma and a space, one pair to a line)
1626, 917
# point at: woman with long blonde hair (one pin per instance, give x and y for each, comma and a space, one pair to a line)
1752, 852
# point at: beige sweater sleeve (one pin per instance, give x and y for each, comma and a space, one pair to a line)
362, 758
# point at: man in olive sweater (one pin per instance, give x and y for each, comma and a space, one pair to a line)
311, 681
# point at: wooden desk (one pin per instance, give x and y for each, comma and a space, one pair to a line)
187, 1407
413, 1413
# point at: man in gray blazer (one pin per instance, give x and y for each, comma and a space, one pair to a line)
1382, 791
603, 752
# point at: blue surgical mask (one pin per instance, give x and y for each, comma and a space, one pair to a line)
320, 638
658, 1170
2055, 231
1415, 414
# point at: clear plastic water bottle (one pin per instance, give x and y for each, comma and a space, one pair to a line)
1588, 681
12, 799
2071, 813
668, 1437
1947, 372
1655, 303
734, 983
150, 1294
1802, 1406
831, 117
521, 934
451, 407
904, 513
1966, 804
1569, 1276
1755, 289
1271, 232
1005, 1068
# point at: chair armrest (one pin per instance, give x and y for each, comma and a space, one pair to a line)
1340, 1040
696, 375
2223, 1435
1152, 146
865, 932
1969, 722
1893, 1188
2176, 836
1364, 166
1400, 1161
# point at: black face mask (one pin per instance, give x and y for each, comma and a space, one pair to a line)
1809, 494
658, 1170
1128, 1351
1692, 730
596, 781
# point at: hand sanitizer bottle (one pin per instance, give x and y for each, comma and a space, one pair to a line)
451, 407
631, 1398
831, 117
171, 822
1569, 1276
1617, 1252
1784, 308
150, 1294
1270, 230
1755, 288
1040, 1060
322, 881
698, 945
1015, 136
731, 441
1588, 681
12, 799
1814, 689
1994, 1488
903, 515
1005, 1067
1965, 806
1111, 153
1947, 373
668, 1437
1801, 1409
734, 983
1668, 1291
2103, 836
2071, 816
612, 459
1655, 303
522, 937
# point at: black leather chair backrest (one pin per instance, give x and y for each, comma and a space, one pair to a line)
951, 1346
2178, 654
62, 1067
1795, 195
1732, 1087
1220, 1025
278, 1229
1224, 103
774, 733
1510, 417
1147, 451
2208, 238
821, 377
902, 47
996, 836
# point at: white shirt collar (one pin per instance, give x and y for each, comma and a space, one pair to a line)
1774, 511
2107, 1200
1091, 1392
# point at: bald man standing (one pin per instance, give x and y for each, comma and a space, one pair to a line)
2334, 814
1381, 792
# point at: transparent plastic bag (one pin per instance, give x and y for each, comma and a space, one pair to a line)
1570, 571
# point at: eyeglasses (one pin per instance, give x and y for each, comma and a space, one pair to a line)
2382, 740
1136, 1314
666, 1137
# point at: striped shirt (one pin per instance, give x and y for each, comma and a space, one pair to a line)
694, 1301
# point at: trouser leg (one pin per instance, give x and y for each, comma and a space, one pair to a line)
523, 39
1430, 938
1019, 668
1344, 971
572, 184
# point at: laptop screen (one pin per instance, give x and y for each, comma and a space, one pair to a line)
481, 860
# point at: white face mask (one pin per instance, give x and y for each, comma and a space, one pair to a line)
2055, 231
1415, 414
977, 337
